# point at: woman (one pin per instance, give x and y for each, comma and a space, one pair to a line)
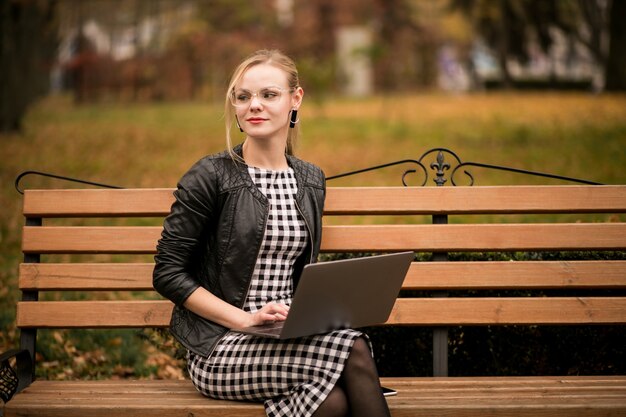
243, 225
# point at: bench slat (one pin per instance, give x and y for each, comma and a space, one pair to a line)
475, 237
351, 200
516, 275
100, 239
503, 310
94, 314
527, 399
475, 200
407, 311
86, 276
421, 275
148, 202
424, 238
418, 384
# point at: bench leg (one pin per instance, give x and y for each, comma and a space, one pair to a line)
440, 351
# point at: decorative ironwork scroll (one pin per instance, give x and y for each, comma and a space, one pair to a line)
58, 177
519, 171
440, 166
374, 168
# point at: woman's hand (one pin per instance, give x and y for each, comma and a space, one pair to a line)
270, 313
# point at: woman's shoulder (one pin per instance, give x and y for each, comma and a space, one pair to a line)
208, 169
214, 161
309, 172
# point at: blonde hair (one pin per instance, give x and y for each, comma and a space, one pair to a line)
265, 56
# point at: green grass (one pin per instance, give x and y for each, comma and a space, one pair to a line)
152, 145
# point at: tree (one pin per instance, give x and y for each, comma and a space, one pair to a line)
591, 23
508, 26
616, 62
502, 25
28, 31
395, 26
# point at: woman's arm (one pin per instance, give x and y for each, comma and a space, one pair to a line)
207, 305
193, 209
191, 213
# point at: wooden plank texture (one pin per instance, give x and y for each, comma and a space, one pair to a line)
475, 200
146, 202
465, 397
94, 314
86, 276
406, 311
423, 238
421, 275
504, 310
99, 239
516, 275
351, 200
475, 237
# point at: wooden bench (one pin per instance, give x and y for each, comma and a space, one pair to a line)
406, 212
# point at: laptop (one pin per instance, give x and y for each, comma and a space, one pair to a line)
342, 294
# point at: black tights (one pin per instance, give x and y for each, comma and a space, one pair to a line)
358, 391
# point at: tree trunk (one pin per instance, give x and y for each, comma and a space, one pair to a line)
616, 62
325, 39
504, 45
27, 45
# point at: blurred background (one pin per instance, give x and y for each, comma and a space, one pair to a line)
130, 93
159, 50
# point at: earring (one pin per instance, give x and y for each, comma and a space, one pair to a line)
238, 125
294, 118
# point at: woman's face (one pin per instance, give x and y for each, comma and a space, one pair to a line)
263, 102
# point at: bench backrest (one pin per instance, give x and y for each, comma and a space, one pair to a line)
119, 246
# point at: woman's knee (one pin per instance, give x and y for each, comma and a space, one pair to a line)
335, 404
361, 352
362, 347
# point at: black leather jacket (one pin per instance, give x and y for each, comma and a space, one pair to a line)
213, 234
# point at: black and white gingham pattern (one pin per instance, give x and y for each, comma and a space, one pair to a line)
285, 238
293, 377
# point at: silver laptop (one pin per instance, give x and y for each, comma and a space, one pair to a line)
341, 294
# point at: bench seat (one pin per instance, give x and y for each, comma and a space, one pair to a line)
452, 396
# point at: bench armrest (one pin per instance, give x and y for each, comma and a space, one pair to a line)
12, 380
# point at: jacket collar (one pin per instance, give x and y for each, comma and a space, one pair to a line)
292, 161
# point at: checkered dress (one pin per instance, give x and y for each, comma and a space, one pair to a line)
292, 377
